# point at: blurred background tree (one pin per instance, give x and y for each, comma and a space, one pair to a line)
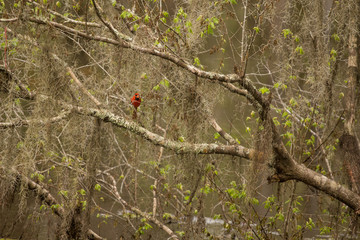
246, 129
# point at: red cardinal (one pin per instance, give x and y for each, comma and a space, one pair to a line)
136, 101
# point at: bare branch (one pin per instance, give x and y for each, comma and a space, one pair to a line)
8, 19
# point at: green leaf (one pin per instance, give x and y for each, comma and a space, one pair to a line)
197, 61
287, 124
299, 50
286, 32
165, 83
256, 29
179, 186
254, 201
84, 203
206, 189
19, 145
276, 122
82, 192
146, 18
188, 24
136, 26
97, 187
217, 216
310, 224
325, 230
180, 233
144, 76
336, 37
215, 20
280, 216
63, 193
269, 202
264, 90
216, 135
58, 4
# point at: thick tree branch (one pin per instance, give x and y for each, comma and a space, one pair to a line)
178, 147
301, 173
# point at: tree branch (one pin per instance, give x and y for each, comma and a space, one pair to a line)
301, 173
113, 30
89, 24
25, 122
82, 88
178, 147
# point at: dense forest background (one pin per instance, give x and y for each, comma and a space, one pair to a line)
247, 127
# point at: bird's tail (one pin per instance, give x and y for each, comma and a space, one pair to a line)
134, 116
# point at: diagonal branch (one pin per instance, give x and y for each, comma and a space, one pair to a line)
83, 89
215, 125
112, 29
301, 173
